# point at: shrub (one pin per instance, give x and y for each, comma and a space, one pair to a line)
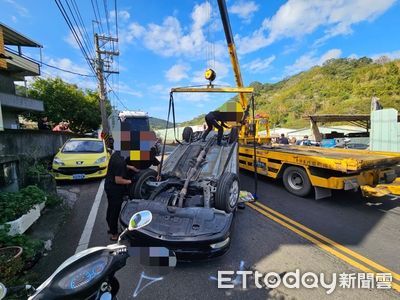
36, 170
32, 248
53, 200
14, 205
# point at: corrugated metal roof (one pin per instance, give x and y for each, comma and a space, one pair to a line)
14, 38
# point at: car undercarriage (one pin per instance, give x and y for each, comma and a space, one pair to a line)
193, 204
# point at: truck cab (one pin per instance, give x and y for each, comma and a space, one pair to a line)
131, 134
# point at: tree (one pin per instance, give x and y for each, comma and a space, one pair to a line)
66, 102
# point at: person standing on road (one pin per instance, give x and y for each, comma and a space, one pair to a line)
44, 124
212, 119
305, 141
115, 186
283, 140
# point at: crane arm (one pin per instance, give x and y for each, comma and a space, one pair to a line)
232, 51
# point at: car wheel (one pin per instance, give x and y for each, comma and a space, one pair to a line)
233, 135
187, 134
140, 190
227, 195
296, 181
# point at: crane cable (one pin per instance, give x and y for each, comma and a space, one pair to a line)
171, 107
209, 47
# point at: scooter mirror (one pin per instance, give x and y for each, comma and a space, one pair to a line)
3, 291
140, 219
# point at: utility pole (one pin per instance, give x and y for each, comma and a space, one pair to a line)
100, 42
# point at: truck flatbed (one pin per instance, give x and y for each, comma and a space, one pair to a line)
304, 167
343, 160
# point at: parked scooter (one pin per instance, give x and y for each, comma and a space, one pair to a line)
89, 274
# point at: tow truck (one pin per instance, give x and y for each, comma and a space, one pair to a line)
304, 169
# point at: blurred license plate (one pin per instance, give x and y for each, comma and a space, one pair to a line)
78, 176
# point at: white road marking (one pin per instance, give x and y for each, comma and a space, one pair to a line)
87, 231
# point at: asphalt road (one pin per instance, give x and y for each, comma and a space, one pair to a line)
263, 240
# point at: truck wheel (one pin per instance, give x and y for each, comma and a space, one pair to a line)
227, 195
187, 134
296, 181
233, 135
139, 189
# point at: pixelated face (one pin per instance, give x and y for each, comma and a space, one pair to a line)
133, 138
231, 111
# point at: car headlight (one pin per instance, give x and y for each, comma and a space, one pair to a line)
58, 161
101, 160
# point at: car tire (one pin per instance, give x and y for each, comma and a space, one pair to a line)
187, 134
296, 181
138, 189
227, 195
233, 135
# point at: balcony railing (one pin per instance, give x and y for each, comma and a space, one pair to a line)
20, 103
22, 65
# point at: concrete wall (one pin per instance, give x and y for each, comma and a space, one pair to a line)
19, 148
32, 143
10, 119
6, 82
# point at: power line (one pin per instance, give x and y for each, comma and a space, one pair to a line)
117, 36
64, 70
47, 65
116, 96
75, 5
98, 12
95, 15
71, 27
85, 41
107, 16
116, 17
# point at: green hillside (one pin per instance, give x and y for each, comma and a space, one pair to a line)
156, 123
339, 86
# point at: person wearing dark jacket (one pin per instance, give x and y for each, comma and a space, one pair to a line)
115, 186
43, 124
283, 140
213, 119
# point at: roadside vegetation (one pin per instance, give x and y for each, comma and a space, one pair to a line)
339, 86
13, 205
66, 102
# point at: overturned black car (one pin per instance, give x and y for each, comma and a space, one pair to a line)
193, 205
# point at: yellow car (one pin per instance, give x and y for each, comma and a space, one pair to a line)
81, 158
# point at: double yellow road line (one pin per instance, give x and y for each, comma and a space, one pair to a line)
349, 256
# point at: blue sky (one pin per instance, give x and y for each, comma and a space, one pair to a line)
166, 44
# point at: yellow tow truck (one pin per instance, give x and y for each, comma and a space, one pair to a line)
304, 168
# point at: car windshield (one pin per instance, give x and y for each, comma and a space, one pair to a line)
83, 146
